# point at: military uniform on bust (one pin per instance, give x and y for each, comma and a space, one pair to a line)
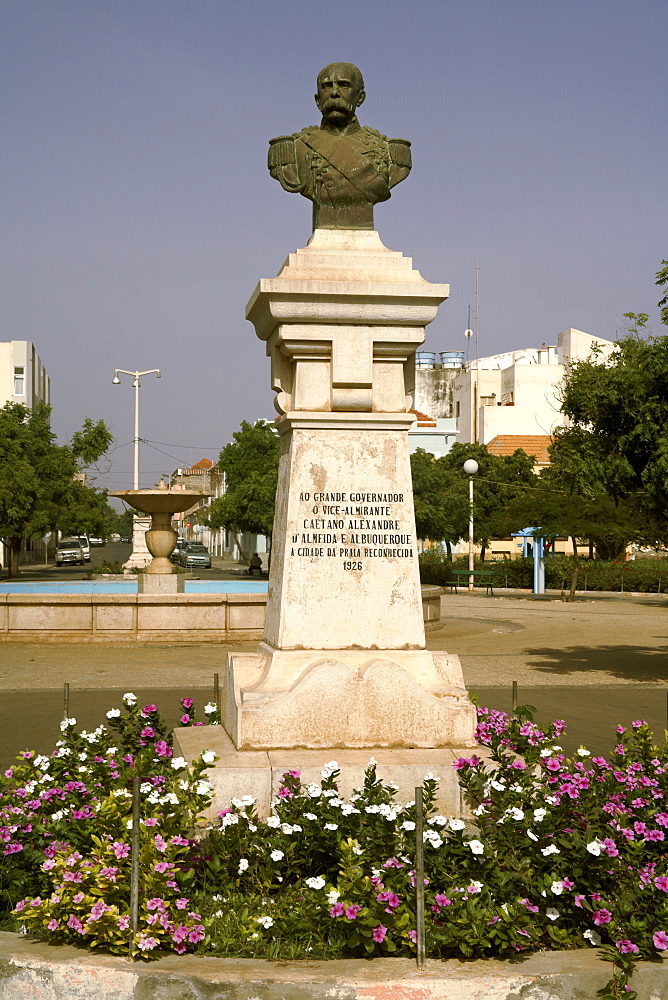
344, 170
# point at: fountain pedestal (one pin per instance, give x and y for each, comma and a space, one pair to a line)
159, 540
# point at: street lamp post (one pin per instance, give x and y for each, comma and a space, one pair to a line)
136, 385
470, 468
140, 556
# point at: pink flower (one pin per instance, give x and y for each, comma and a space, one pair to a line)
567, 884
162, 749
552, 764
151, 820
120, 850
53, 926
78, 898
179, 841
285, 793
182, 903
519, 765
413, 936
393, 863
149, 709
337, 910
156, 904
196, 934
147, 943
638, 723
160, 843
147, 732
625, 946
441, 900
602, 916
20, 905
109, 873
123, 923
13, 848
660, 939
180, 934
162, 866
187, 702
661, 883
352, 911
184, 720
379, 934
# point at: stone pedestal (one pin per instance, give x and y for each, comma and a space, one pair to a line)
140, 557
151, 583
343, 660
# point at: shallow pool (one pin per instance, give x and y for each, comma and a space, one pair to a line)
130, 587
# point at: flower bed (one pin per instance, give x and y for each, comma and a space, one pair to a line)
563, 851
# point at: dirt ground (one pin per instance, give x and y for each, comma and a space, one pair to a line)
596, 663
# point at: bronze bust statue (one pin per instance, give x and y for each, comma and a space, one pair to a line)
343, 167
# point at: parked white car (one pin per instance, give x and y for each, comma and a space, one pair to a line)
69, 551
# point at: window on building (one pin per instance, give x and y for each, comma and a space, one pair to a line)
19, 381
488, 400
457, 408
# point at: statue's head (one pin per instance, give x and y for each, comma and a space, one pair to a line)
340, 92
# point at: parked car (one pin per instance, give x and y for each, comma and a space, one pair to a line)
85, 545
97, 541
69, 551
180, 544
194, 554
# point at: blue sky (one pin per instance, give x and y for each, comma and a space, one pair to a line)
139, 214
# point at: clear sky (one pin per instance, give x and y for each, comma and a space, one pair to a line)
138, 213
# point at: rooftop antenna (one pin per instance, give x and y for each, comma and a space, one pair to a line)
468, 333
477, 269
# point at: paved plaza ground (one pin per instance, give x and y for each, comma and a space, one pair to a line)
596, 663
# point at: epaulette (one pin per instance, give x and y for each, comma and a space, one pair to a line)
400, 152
374, 131
281, 152
305, 131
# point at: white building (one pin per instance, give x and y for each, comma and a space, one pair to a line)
517, 393
23, 377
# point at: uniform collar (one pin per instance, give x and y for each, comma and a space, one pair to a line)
353, 126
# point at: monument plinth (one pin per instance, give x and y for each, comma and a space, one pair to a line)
343, 664
343, 661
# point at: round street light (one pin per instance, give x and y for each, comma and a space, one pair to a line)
470, 468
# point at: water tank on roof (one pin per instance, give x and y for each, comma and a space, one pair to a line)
452, 359
425, 359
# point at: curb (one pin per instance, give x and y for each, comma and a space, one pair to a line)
37, 971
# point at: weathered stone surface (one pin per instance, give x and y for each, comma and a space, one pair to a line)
38, 971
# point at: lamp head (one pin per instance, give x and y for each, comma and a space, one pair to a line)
157, 374
470, 466
115, 380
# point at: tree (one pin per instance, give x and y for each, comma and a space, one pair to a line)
250, 464
38, 485
662, 279
440, 499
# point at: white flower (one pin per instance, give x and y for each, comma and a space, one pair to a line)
437, 820
594, 847
476, 847
296, 828
121, 793
276, 855
498, 786
372, 809
210, 708
331, 826
515, 813
203, 787
208, 756
551, 800
129, 698
218, 913
432, 837
583, 753
550, 849
112, 750
539, 815
169, 799
329, 793
129, 824
314, 791
556, 749
372, 762
546, 752
145, 787
593, 937
317, 882
42, 762
456, 824
551, 913
266, 922
356, 849
247, 800
481, 810
408, 824
273, 821
348, 810
153, 798
332, 896
178, 763
310, 816
82, 769
329, 769
243, 865
113, 713
532, 836
557, 888
229, 819
57, 815
474, 887
184, 785
66, 723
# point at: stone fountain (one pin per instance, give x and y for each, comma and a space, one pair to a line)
161, 503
